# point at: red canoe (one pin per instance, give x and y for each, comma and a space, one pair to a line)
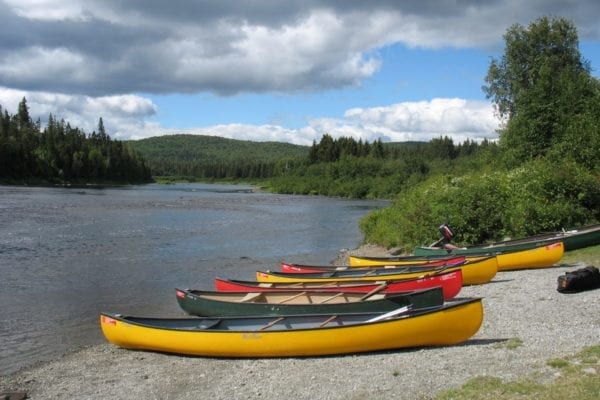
451, 283
302, 268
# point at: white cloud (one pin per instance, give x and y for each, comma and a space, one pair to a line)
30, 63
123, 116
126, 117
46, 9
424, 120
410, 121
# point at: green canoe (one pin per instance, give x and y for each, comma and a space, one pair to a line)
278, 303
572, 239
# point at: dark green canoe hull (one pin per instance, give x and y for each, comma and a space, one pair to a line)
572, 239
194, 303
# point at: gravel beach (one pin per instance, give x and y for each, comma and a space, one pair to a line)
519, 306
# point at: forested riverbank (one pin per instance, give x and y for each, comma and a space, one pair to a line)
62, 154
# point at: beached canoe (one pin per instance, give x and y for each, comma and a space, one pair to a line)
449, 281
577, 238
540, 257
209, 303
357, 261
304, 268
572, 239
473, 273
295, 336
536, 257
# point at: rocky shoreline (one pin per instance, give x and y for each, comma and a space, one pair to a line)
526, 322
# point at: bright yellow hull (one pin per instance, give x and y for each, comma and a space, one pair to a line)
540, 257
364, 262
451, 325
474, 272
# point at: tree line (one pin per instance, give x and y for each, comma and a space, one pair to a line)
330, 149
60, 153
346, 167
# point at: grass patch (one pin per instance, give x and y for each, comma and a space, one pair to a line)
486, 388
511, 344
587, 255
579, 380
590, 355
557, 363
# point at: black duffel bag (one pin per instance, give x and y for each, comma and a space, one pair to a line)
579, 280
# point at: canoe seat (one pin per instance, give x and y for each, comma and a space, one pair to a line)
379, 296
250, 297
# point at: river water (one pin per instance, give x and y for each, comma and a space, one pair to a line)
68, 253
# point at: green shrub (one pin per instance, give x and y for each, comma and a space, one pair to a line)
488, 206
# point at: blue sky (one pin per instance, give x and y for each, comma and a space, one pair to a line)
405, 75
265, 69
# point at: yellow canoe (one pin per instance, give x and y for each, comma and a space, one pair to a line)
540, 257
294, 336
474, 272
366, 261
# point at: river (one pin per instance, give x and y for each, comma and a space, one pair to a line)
68, 253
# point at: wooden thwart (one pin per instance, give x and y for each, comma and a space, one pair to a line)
299, 294
331, 297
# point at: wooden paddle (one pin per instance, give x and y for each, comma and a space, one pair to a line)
376, 290
390, 314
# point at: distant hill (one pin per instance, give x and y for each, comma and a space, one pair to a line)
213, 149
214, 157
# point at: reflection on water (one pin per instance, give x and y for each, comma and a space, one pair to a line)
67, 254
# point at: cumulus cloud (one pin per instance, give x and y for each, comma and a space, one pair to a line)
416, 121
111, 47
457, 119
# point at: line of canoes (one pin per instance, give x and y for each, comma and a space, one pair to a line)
308, 310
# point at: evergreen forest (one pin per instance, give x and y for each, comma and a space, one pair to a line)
62, 154
207, 158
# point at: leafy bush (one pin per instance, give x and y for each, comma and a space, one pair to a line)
488, 206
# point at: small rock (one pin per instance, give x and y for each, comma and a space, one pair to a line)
13, 395
590, 370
